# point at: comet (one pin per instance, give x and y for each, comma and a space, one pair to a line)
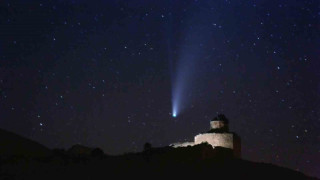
186, 62
174, 114
186, 68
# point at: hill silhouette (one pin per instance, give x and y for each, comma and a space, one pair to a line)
12, 144
80, 162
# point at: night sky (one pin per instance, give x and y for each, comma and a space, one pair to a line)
107, 74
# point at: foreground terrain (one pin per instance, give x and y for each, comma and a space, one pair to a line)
80, 162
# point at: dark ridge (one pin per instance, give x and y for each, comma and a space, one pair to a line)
81, 162
12, 144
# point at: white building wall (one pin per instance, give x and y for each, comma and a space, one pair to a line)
217, 124
215, 139
182, 144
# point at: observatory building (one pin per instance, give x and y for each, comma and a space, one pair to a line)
218, 135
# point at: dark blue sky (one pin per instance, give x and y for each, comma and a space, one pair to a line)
101, 73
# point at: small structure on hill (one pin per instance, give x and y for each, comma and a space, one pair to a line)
217, 136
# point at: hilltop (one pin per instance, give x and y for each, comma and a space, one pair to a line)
80, 162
